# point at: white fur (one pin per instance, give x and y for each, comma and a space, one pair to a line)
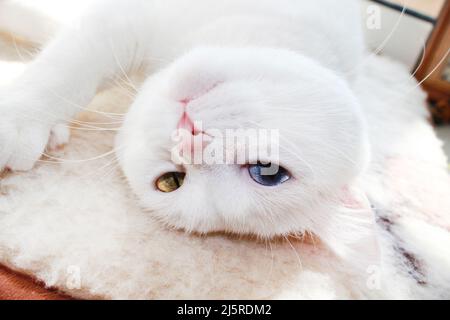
285, 65
22, 21
76, 223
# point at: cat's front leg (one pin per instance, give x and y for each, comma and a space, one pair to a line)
60, 83
25, 127
28, 126
36, 112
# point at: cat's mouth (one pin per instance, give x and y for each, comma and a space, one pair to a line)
191, 137
187, 124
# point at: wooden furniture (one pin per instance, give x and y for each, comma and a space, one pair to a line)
14, 286
434, 71
431, 8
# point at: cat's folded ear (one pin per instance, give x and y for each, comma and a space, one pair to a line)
351, 231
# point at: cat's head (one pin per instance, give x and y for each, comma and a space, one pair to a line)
318, 139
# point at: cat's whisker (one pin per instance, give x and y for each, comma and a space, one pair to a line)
94, 129
44, 119
312, 170
127, 88
127, 91
383, 45
311, 237
87, 109
19, 53
295, 109
310, 167
62, 160
444, 58
95, 124
299, 260
101, 173
75, 105
108, 169
79, 125
272, 262
328, 146
121, 68
422, 60
159, 60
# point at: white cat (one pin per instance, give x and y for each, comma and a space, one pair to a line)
282, 65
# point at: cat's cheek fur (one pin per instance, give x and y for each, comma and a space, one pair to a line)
351, 231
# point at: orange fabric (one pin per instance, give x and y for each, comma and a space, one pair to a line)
14, 286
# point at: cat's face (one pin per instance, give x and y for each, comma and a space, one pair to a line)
322, 143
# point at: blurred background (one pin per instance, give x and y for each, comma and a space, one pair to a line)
417, 32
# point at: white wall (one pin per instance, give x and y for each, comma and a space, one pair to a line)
402, 37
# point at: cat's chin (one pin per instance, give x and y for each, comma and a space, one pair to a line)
345, 226
205, 229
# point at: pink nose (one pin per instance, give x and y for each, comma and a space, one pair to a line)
193, 139
186, 122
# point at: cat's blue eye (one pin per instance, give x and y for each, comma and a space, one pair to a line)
268, 175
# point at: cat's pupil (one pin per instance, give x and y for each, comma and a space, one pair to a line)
170, 181
268, 175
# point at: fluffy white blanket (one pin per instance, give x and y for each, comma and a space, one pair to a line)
75, 225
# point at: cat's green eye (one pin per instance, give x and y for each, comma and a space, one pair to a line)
170, 181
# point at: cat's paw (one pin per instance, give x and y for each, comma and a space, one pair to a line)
24, 134
59, 137
21, 145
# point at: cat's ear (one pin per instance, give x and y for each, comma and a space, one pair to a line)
351, 233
